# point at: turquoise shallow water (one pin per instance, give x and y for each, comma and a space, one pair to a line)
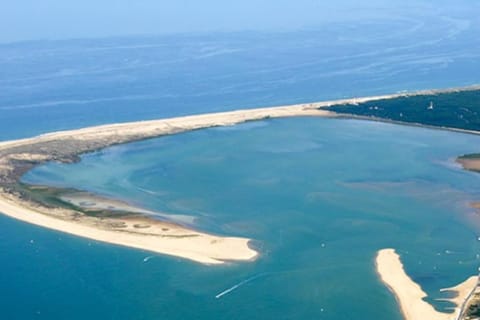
318, 196
350, 200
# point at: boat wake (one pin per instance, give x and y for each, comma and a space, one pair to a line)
238, 285
148, 258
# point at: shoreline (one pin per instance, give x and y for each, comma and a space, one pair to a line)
180, 242
135, 231
470, 162
404, 123
410, 295
20, 156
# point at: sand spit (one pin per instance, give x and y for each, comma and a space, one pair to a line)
136, 231
471, 164
19, 156
165, 238
410, 295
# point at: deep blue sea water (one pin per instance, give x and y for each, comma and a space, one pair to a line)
292, 184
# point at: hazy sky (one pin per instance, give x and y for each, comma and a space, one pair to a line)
60, 19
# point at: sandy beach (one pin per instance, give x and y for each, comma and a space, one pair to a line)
472, 164
409, 294
20, 156
175, 241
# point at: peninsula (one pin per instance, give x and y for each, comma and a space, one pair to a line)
410, 295
121, 224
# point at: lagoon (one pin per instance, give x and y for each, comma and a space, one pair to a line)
318, 196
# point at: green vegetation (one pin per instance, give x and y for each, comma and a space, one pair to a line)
47, 196
460, 110
471, 156
50, 197
473, 308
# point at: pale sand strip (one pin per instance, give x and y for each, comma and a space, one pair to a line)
153, 128
472, 164
202, 248
173, 125
410, 295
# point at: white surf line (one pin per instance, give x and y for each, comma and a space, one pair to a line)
241, 283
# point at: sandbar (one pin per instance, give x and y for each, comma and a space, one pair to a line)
470, 163
409, 294
136, 231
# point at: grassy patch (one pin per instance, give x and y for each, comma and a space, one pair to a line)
51, 197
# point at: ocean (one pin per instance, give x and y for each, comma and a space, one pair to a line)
317, 196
